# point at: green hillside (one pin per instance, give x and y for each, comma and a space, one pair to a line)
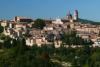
88, 21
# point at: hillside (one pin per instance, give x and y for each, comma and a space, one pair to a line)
88, 21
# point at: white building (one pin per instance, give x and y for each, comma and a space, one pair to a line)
48, 28
97, 43
29, 42
57, 21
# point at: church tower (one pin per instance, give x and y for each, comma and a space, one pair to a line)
69, 16
75, 15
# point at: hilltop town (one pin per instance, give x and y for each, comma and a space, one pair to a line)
52, 32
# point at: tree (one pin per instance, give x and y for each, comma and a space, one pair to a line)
87, 42
1, 29
21, 46
7, 42
71, 38
95, 59
39, 24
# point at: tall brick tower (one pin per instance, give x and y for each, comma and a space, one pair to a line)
69, 16
75, 15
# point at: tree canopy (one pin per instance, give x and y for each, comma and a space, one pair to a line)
39, 24
1, 29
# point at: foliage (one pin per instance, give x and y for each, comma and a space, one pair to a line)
39, 24
15, 53
1, 29
70, 38
22, 56
88, 21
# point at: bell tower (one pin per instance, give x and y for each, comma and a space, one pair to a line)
75, 15
69, 16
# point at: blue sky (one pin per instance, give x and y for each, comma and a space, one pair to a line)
88, 9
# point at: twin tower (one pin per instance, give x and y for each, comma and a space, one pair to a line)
75, 17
